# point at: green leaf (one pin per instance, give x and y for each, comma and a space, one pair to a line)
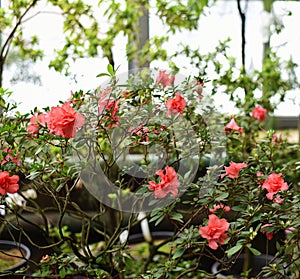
177, 217
60, 186
233, 250
110, 69
102, 74
62, 273
99, 259
33, 175
159, 220
222, 196
237, 208
253, 250
178, 253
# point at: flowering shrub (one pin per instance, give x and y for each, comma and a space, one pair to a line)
150, 150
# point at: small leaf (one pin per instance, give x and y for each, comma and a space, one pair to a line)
233, 250
142, 190
178, 253
102, 75
177, 217
62, 273
110, 69
237, 208
159, 220
99, 259
222, 196
60, 187
253, 250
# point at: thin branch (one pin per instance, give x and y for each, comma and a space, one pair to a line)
12, 33
243, 32
41, 12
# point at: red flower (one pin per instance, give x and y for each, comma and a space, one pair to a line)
273, 184
175, 105
215, 231
169, 183
164, 79
232, 126
36, 121
263, 229
259, 113
111, 119
233, 170
64, 121
8, 184
108, 108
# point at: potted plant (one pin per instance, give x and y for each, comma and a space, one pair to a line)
13, 256
149, 150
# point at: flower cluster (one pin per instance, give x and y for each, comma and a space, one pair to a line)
151, 152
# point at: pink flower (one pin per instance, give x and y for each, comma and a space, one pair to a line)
259, 113
215, 231
10, 158
36, 121
273, 184
175, 105
169, 183
8, 184
219, 206
260, 178
233, 170
263, 229
199, 88
276, 138
164, 79
65, 121
232, 126
278, 200
141, 132
105, 100
289, 230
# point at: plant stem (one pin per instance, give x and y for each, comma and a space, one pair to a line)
248, 260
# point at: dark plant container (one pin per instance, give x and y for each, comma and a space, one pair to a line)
6, 245
237, 268
156, 235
